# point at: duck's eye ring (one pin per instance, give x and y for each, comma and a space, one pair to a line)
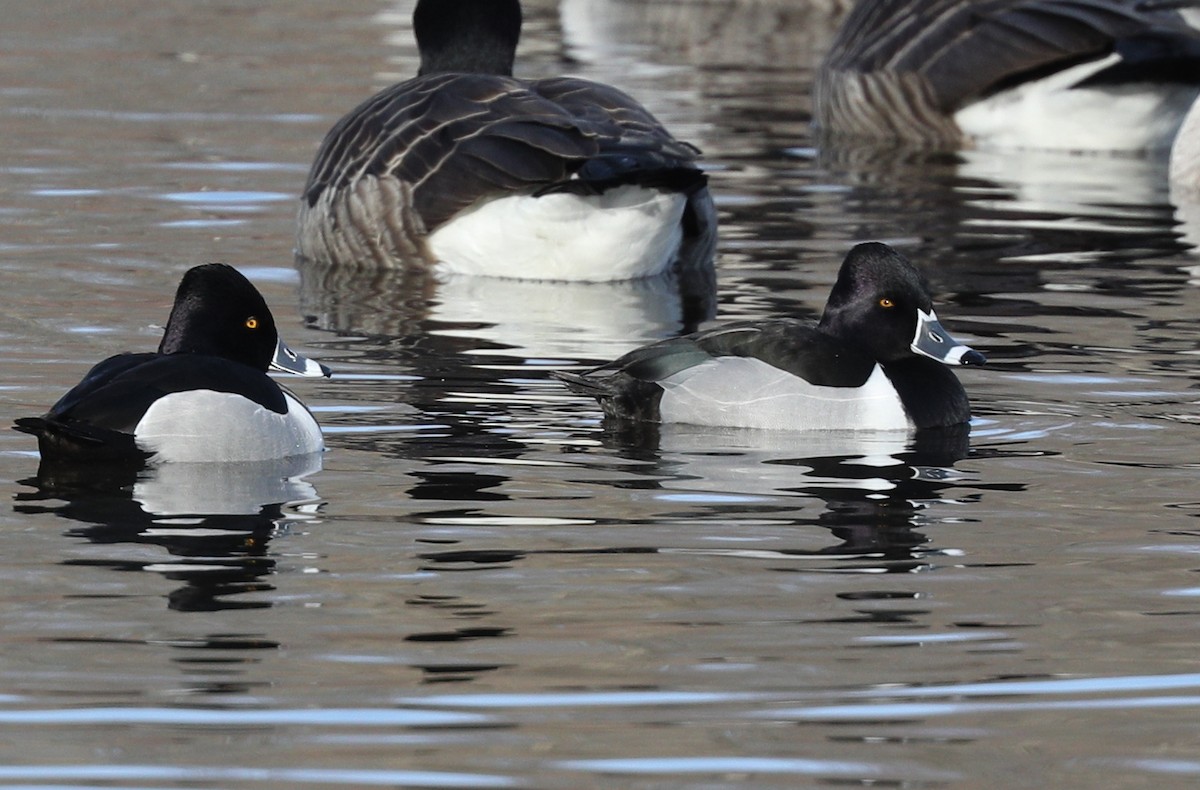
886, 303
252, 323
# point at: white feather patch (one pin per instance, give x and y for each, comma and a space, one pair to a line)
1053, 113
741, 392
625, 233
202, 425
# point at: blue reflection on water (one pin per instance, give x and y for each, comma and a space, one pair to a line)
328, 717
912, 710
761, 765
142, 773
226, 198
921, 710
583, 699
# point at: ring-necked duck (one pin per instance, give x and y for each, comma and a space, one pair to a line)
1065, 74
875, 361
553, 179
203, 396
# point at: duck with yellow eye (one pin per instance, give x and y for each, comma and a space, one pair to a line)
203, 396
877, 360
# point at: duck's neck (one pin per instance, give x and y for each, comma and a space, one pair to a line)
467, 36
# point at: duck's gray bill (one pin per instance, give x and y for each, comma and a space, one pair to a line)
934, 341
290, 362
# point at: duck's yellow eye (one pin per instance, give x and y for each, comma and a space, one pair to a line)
885, 302
252, 323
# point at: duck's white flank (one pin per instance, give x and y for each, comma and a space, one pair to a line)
749, 393
623, 234
202, 425
1052, 113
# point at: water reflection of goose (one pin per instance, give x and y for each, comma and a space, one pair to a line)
214, 520
1185, 176
536, 319
1102, 205
1185, 152
771, 33
564, 320
1007, 220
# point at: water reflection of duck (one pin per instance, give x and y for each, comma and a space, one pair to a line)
865, 488
203, 396
875, 361
1070, 74
560, 179
743, 490
215, 520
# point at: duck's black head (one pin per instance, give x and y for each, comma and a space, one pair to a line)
467, 36
219, 312
881, 304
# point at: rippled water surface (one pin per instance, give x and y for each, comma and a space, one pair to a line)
480, 586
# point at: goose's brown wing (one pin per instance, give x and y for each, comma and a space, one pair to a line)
452, 139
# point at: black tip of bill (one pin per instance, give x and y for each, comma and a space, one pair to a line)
935, 342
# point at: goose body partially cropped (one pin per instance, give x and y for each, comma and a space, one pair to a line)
203, 396
481, 173
877, 360
1057, 74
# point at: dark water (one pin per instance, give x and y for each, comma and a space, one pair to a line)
479, 586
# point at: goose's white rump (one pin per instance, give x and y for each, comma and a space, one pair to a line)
625, 233
1057, 113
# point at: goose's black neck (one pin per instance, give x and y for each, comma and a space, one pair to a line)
467, 36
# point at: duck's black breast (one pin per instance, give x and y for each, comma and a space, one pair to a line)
116, 393
932, 395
